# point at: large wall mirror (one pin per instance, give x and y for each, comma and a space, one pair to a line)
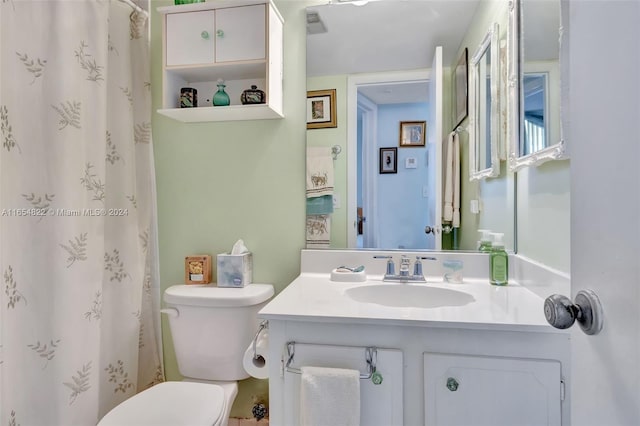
484, 126
348, 42
535, 47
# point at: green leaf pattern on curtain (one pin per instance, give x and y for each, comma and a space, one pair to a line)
79, 314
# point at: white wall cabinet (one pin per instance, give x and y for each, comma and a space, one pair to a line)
240, 42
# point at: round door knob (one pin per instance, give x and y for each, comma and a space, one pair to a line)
220, 33
205, 35
429, 230
561, 313
452, 384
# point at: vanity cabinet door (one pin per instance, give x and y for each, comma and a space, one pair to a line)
464, 390
190, 38
241, 33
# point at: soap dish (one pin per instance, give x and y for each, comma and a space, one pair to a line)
344, 275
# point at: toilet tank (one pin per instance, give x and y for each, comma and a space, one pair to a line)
211, 327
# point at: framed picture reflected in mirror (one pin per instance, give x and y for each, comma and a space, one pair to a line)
388, 160
412, 133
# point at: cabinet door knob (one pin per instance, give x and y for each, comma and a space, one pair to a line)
220, 33
205, 35
452, 384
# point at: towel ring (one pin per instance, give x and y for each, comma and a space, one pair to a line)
371, 357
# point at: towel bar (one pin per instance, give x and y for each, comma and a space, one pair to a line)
371, 357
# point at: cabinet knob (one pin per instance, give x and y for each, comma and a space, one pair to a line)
205, 35
220, 33
452, 384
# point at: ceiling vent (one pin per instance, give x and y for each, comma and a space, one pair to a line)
315, 24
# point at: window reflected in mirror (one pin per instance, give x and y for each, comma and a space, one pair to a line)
535, 57
535, 120
484, 130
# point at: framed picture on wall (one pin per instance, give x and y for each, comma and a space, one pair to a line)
461, 82
321, 109
388, 160
412, 133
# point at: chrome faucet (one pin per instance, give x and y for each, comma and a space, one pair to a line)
405, 266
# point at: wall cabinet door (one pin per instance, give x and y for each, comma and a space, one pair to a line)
190, 38
476, 390
240, 33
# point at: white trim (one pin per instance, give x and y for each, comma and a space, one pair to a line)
369, 165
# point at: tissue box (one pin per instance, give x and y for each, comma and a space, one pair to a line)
235, 270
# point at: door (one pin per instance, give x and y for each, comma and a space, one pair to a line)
434, 139
463, 390
605, 199
241, 33
430, 188
190, 38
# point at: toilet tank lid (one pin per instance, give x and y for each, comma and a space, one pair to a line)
210, 295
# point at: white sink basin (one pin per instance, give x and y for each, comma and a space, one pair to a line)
409, 295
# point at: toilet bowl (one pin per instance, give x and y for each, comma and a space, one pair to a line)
211, 327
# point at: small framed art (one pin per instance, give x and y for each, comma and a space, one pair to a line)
388, 160
412, 133
197, 269
321, 109
461, 82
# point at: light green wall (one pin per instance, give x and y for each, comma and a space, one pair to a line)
496, 194
218, 182
330, 137
544, 214
543, 208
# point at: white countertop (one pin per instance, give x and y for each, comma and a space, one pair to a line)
314, 297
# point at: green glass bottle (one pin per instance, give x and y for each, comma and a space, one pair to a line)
220, 98
498, 262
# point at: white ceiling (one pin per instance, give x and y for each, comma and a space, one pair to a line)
387, 35
411, 92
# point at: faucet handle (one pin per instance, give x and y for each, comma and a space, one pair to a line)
404, 265
391, 268
417, 266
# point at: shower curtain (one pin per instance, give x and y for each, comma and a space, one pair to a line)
79, 320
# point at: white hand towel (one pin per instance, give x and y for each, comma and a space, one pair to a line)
318, 231
319, 171
329, 397
447, 208
451, 199
456, 181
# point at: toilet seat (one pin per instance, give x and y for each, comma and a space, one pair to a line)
170, 404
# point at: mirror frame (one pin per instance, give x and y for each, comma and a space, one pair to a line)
515, 54
490, 41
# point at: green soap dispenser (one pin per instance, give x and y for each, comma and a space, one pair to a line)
498, 261
484, 245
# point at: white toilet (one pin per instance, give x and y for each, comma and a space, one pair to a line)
211, 328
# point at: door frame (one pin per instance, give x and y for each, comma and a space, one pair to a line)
369, 111
353, 82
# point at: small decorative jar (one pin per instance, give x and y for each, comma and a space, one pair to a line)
220, 98
252, 96
188, 97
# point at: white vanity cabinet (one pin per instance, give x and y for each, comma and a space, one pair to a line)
240, 42
504, 378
